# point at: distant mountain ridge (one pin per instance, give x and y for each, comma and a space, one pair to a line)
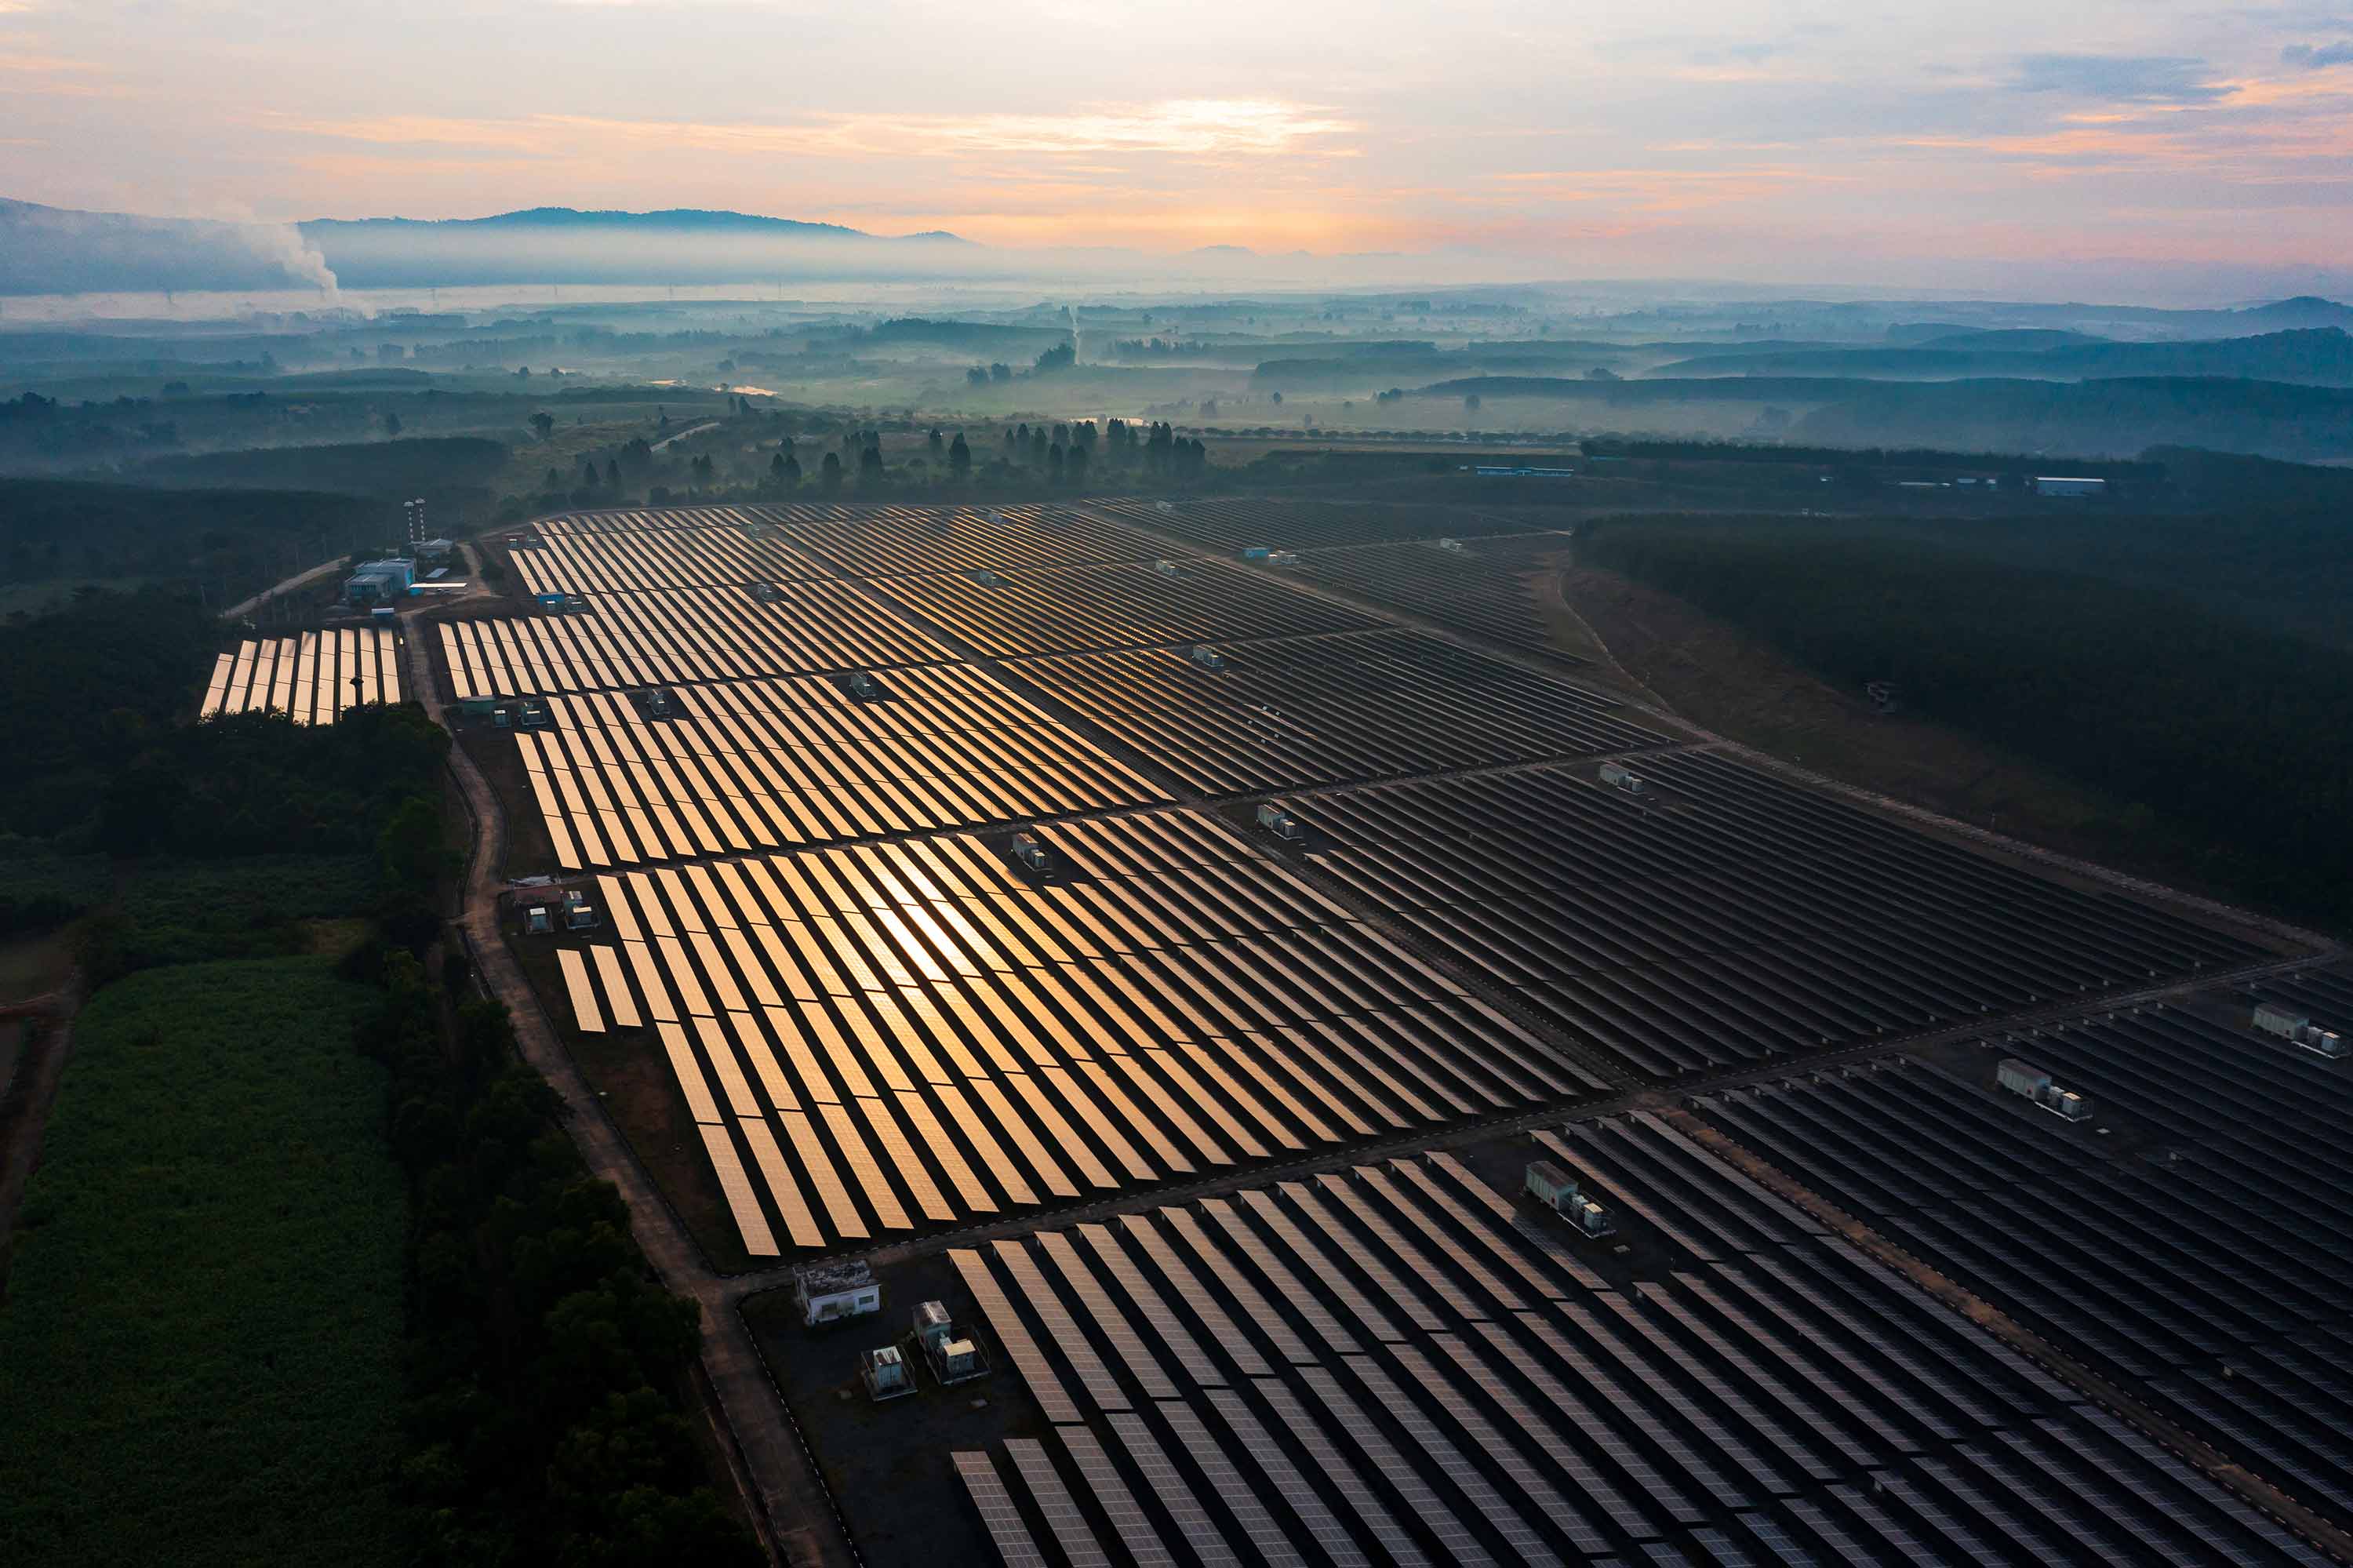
705, 220
59, 250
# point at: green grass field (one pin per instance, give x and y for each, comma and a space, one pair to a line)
199, 1350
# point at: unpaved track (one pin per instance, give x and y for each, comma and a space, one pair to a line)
790, 1506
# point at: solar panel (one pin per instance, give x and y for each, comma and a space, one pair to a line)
1311, 1437
799, 1222
1127, 1519
998, 1513
1671, 1395
1531, 1425
1774, 1537
1547, 1285
1373, 1220
1542, 1240
1261, 1313
1110, 1321
1486, 1503
1014, 1335
1589, 1371
862, 1166
1268, 1544
843, 1213
1193, 1521
1869, 1413
1164, 1322
1419, 1499
2182, 1511
585, 1014
1286, 1284
1068, 1525
1834, 1534
1778, 1437
1938, 1518
689, 1074
1094, 1375
1206, 1307
758, 1240
1720, 1548
1304, 1199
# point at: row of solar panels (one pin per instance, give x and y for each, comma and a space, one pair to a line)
1732, 916
902, 541
681, 635
602, 561
1394, 1364
1055, 610
1481, 588
1240, 522
311, 678
2214, 1270
1172, 1003
1327, 710
756, 764
862, 540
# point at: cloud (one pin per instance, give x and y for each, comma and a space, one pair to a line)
2318, 57
2123, 79
1200, 128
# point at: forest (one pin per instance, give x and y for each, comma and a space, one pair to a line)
2223, 741
543, 1420
229, 543
200, 1347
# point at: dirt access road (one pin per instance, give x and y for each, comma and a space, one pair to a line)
789, 1506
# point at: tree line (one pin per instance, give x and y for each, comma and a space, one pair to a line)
544, 1421
2222, 743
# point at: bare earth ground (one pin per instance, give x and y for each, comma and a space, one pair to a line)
1730, 684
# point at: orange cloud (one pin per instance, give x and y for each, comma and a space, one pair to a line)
1207, 128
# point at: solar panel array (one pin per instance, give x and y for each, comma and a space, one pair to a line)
1332, 709
1484, 587
681, 635
598, 555
1388, 1363
762, 765
937, 1037
310, 678
1236, 522
2211, 1270
1735, 917
899, 541
881, 1030
1055, 610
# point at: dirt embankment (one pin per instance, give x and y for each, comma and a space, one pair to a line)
1738, 687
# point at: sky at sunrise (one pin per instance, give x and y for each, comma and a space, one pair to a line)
1727, 137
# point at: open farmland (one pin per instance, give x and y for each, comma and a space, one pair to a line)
1330, 709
